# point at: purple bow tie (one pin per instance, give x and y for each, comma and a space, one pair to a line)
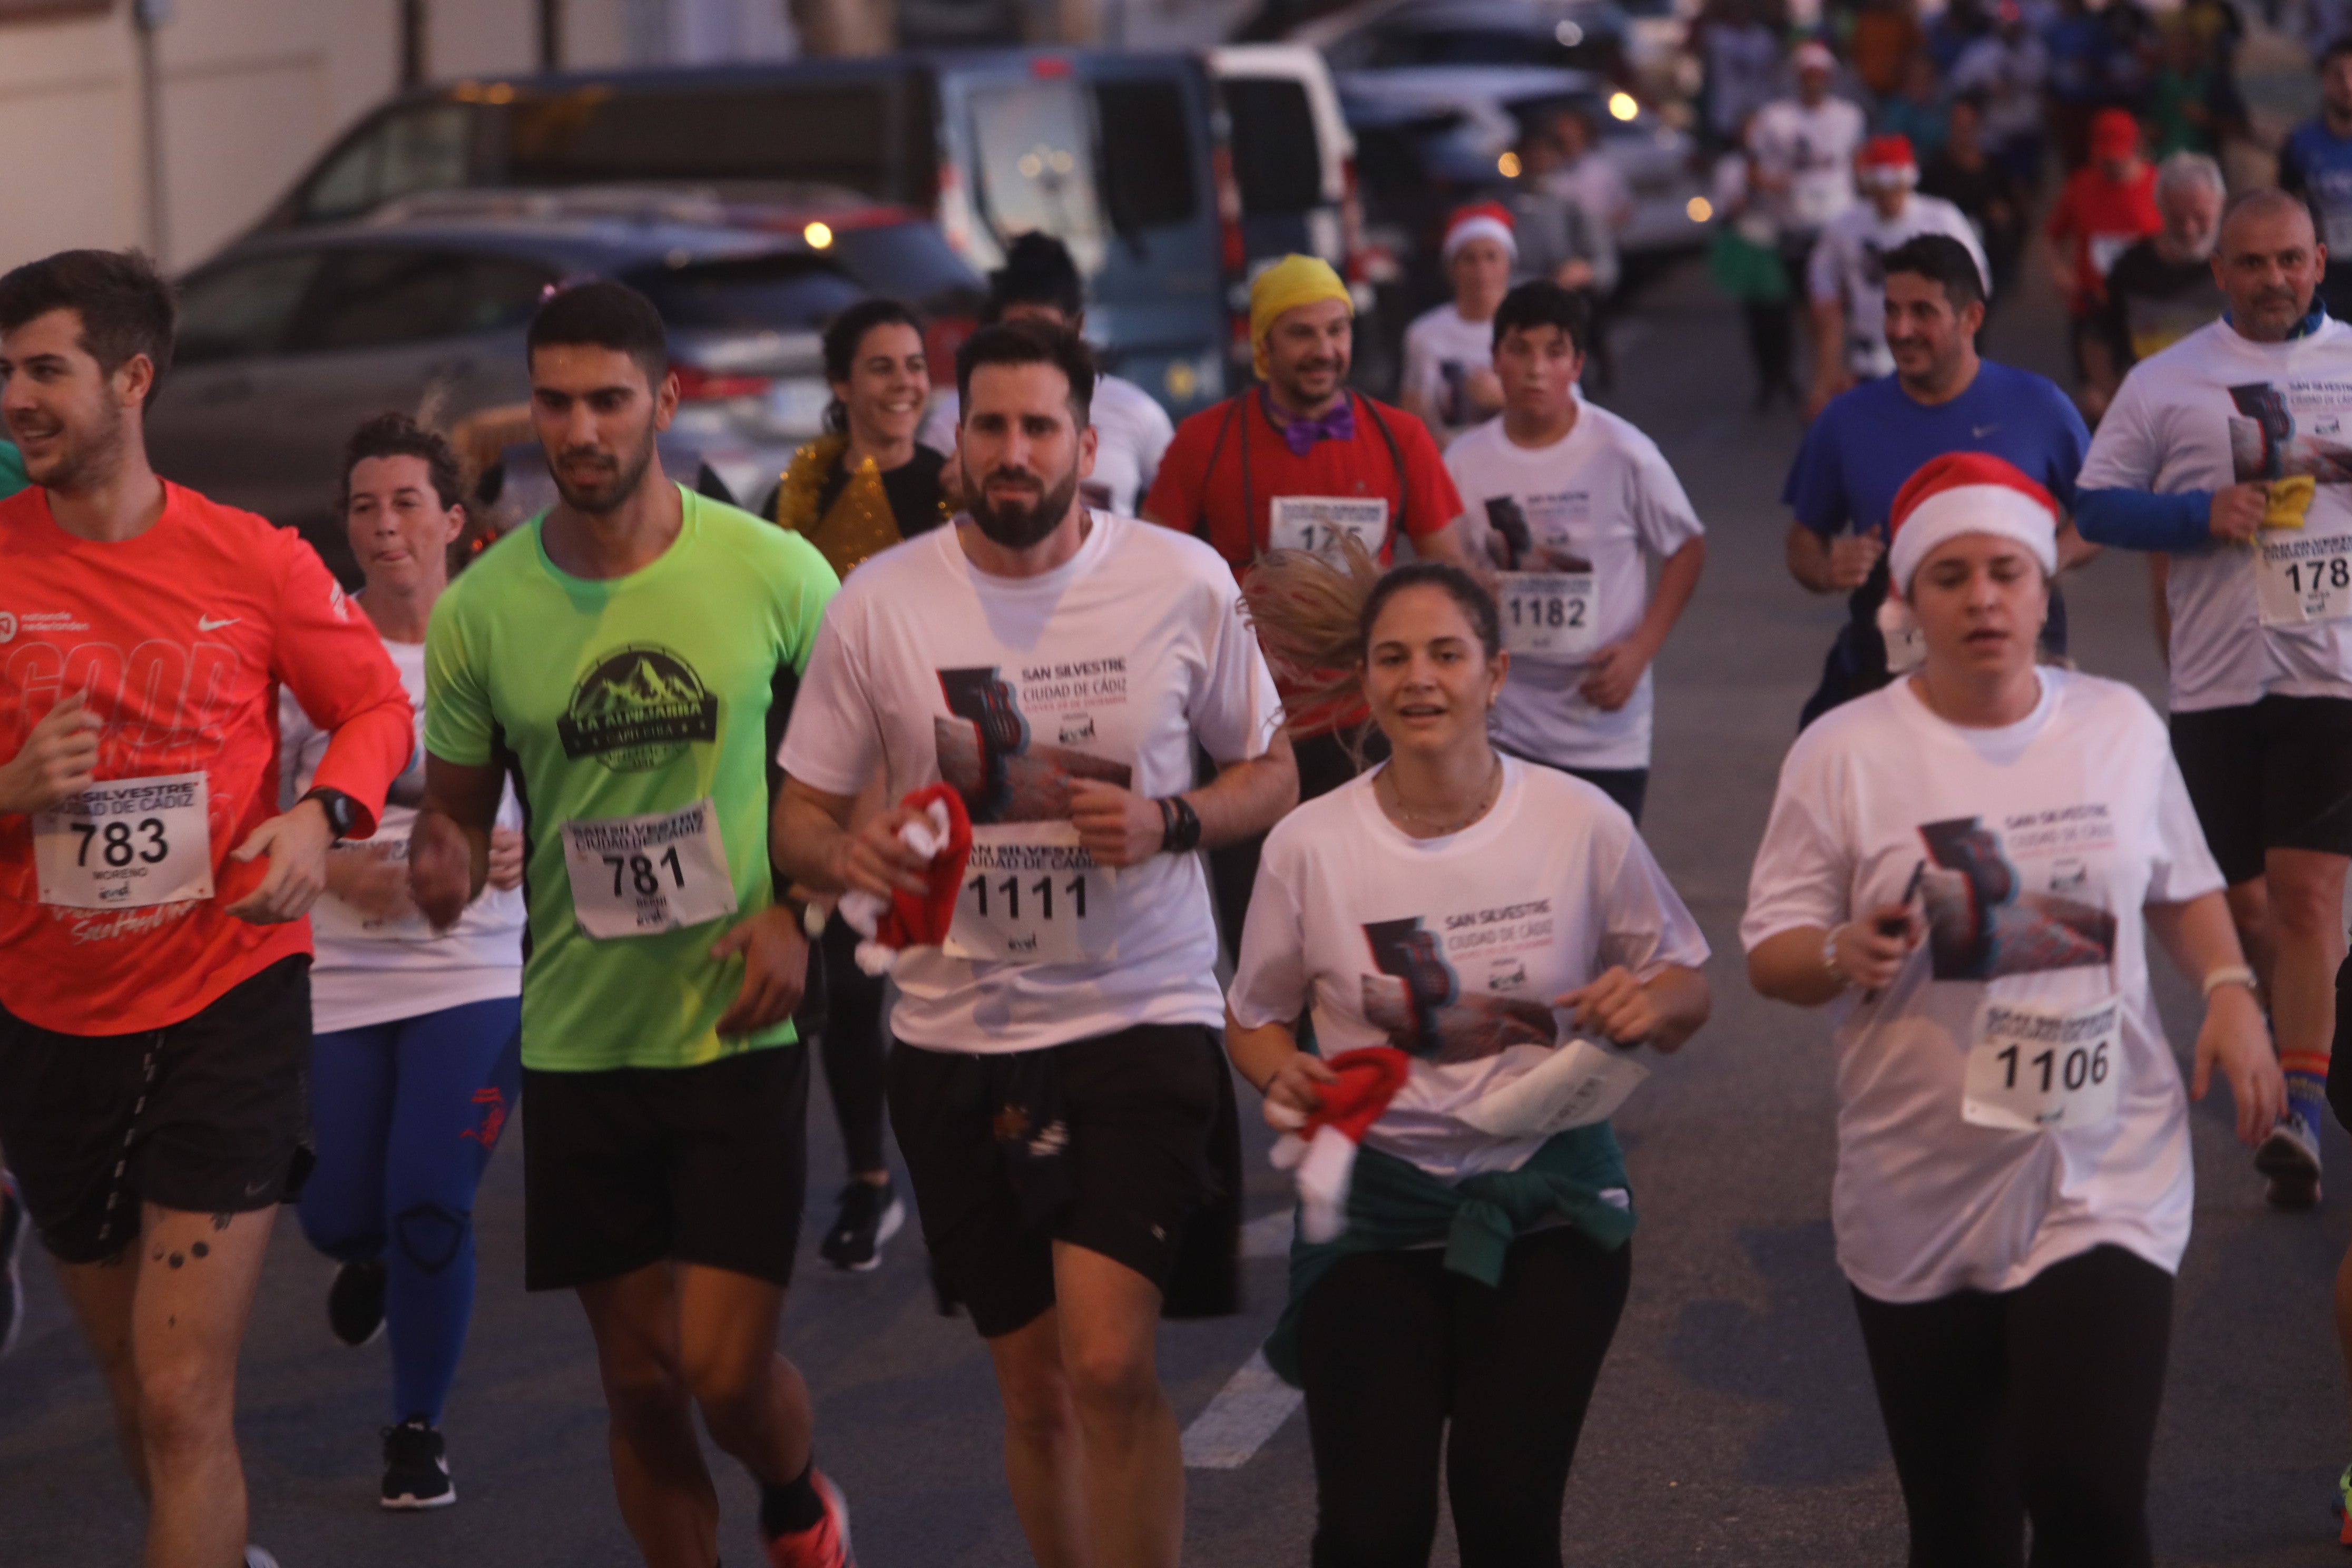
1338, 424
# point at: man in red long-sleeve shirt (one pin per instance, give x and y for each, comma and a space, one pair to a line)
154, 956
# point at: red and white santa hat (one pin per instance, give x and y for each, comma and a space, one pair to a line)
941, 832
1320, 1151
1886, 161
1969, 492
1480, 220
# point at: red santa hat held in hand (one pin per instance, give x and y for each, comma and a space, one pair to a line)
1320, 1150
941, 833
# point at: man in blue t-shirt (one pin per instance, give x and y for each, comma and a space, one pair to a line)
1941, 398
2315, 163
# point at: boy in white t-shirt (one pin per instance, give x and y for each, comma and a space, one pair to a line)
1569, 504
1448, 383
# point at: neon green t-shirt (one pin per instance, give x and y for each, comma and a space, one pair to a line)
616, 702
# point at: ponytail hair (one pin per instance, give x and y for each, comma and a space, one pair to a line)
1314, 620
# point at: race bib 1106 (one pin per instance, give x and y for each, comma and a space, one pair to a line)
1550, 615
1319, 522
635, 875
1032, 894
2035, 1069
126, 843
2301, 579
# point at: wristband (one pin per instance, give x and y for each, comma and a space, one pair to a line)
1179, 826
2231, 974
1829, 959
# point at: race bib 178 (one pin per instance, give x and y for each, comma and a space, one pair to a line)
635, 875
126, 843
1032, 894
2301, 579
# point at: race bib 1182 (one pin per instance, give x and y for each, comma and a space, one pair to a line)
1032, 894
126, 843
1550, 615
635, 875
1319, 522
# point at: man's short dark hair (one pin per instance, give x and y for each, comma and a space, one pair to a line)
2337, 46
125, 304
1030, 343
1038, 270
396, 435
603, 315
1543, 303
1941, 258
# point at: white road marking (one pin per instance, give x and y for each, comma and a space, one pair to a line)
1248, 1410
1268, 1236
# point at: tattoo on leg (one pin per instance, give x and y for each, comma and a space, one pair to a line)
154, 1257
200, 1249
177, 1260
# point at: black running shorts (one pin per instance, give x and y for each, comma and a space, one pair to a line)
637, 1165
1140, 1106
2272, 774
204, 1116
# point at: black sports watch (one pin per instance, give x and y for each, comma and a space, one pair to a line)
343, 811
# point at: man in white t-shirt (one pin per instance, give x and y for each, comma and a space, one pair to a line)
1848, 273
1449, 379
1039, 282
1059, 1081
2229, 451
1804, 149
1569, 504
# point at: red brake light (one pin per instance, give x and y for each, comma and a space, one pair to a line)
1048, 67
696, 385
1229, 212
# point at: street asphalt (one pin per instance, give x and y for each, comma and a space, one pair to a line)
1733, 1423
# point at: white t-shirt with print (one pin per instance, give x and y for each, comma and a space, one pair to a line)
1813, 148
1849, 266
373, 972
1131, 434
2030, 851
1601, 498
2214, 410
1442, 347
1011, 689
1453, 949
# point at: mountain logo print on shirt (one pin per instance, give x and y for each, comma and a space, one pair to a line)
637, 710
1991, 913
987, 751
1417, 996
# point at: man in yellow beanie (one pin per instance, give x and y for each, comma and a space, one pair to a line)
1299, 461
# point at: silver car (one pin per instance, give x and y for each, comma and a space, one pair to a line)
288, 340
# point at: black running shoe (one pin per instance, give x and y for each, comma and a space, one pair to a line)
870, 1216
416, 1466
355, 1304
14, 1225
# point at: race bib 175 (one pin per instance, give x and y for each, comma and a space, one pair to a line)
1319, 522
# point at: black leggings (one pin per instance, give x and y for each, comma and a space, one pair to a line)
2038, 1403
855, 1050
1390, 1345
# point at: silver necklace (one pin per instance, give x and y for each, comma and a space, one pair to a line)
1442, 830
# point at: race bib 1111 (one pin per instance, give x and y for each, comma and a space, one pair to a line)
636, 876
1032, 894
125, 843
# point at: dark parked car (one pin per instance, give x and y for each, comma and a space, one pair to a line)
291, 338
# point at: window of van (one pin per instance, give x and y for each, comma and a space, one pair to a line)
748, 293
376, 297
423, 147
1276, 162
1036, 162
816, 133
1146, 153
242, 309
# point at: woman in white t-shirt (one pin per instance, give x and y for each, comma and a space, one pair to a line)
1449, 383
1967, 864
1040, 282
417, 1060
1462, 914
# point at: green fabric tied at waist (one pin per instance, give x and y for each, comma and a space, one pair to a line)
1393, 1204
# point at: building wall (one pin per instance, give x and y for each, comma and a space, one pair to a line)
249, 91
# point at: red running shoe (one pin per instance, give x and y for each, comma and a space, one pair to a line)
826, 1543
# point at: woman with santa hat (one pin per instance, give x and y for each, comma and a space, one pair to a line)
1450, 923
1965, 866
1449, 351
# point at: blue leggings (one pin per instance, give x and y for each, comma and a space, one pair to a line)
407, 1115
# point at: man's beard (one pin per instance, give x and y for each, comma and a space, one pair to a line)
84, 460
1017, 525
599, 497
